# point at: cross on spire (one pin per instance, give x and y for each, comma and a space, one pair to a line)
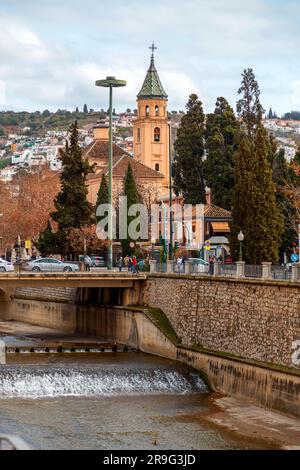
152, 48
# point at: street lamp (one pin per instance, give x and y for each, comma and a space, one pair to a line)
241, 239
153, 241
110, 82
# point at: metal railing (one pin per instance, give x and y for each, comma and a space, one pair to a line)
281, 272
228, 270
9, 442
253, 270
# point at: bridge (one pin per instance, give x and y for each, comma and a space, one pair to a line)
127, 282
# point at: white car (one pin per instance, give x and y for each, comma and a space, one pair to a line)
5, 266
50, 265
199, 265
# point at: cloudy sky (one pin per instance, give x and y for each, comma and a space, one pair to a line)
52, 51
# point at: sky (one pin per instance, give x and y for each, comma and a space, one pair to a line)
52, 51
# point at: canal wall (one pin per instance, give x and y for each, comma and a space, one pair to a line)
56, 315
254, 319
148, 331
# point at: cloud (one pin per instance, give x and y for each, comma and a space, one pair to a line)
52, 52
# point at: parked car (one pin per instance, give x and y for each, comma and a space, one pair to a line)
5, 266
98, 262
50, 264
199, 265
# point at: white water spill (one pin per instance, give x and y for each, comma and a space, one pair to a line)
36, 382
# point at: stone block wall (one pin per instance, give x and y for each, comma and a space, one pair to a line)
52, 294
253, 319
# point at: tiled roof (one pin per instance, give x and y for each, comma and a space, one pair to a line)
152, 87
211, 211
99, 149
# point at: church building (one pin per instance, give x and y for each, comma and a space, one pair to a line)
150, 163
151, 128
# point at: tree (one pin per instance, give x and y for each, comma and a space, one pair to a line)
46, 243
189, 148
102, 195
128, 110
85, 109
131, 191
72, 207
248, 107
77, 110
221, 128
283, 177
270, 114
85, 240
254, 204
46, 113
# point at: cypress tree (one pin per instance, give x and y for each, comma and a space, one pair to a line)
102, 196
85, 109
72, 207
46, 244
131, 191
282, 175
189, 147
248, 106
255, 211
221, 128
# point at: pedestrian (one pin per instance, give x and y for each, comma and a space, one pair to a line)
134, 265
120, 263
179, 264
126, 261
129, 264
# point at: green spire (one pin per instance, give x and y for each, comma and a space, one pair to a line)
152, 87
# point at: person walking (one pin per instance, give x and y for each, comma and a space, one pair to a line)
134, 265
126, 262
120, 263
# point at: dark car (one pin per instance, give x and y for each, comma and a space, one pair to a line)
98, 262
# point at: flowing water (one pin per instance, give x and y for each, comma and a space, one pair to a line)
109, 401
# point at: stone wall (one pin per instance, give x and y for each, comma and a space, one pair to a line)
253, 319
52, 294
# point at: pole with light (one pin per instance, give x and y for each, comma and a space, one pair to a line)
153, 241
170, 193
110, 82
298, 243
241, 239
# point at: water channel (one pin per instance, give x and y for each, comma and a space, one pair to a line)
123, 400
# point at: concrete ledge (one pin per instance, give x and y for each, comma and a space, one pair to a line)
243, 280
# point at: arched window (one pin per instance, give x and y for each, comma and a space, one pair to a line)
156, 110
139, 134
156, 134
147, 110
156, 166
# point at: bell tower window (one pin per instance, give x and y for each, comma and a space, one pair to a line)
156, 166
139, 134
147, 110
156, 134
156, 110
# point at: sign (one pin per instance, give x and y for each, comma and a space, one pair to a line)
294, 258
28, 244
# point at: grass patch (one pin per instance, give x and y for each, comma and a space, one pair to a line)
158, 317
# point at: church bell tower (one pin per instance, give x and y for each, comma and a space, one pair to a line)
150, 129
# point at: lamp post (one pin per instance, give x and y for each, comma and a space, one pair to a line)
170, 193
241, 239
153, 241
110, 82
298, 243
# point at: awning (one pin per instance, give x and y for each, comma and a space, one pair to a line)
220, 227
